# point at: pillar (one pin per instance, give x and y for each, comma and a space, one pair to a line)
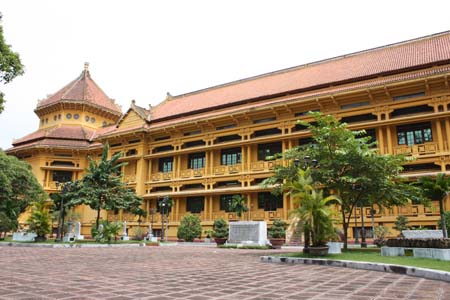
381, 140
440, 137
285, 206
389, 140
447, 134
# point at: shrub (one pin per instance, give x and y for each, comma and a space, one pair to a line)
39, 220
381, 233
107, 231
278, 229
220, 229
419, 243
447, 221
401, 223
189, 228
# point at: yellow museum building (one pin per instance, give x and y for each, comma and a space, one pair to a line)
203, 147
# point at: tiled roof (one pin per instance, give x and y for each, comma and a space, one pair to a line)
61, 132
82, 89
391, 59
53, 143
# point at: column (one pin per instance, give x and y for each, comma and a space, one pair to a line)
140, 176
389, 140
150, 170
147, 208
440, 137
249, 205
243, 158
249, 158
212, 162
205, 208
177, 209
207, 162
447, 134
285, 205
210, 207
381, 140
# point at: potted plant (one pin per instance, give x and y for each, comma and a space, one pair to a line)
39, 221
277, 233
208, 233
220, 231
314, 212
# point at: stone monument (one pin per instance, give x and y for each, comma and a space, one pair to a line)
77, 234
24, 236
69, 236
125, 236
248, 233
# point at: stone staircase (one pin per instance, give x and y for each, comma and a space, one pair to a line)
294, 235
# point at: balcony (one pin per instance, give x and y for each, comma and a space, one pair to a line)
265, 165
227, 170
420, 149
129, 178
162, 176
189, 173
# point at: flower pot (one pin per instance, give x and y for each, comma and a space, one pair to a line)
318, 251
220, 241
277, 243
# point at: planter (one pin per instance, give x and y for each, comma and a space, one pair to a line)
220, 241
277, 243
318, 251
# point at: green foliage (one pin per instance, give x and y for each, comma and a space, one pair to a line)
220, 229
401, 223
278, 229
447, 221
10, 64
7, 224
437, 189
102, 187
107, 232
349, 167
39, 220
18, 186
238, 205
314, 212
189, 228
381, 234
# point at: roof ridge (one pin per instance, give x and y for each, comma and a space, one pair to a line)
285, 70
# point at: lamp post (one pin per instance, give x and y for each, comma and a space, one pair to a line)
150, 229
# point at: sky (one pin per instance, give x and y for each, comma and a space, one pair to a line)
143, 49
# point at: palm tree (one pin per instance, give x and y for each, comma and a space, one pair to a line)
238, 205
438, 188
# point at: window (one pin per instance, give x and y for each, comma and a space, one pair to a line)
158, 206
230, 156
228, 183
196, 160
194, 144
264, 132
269, 202
92, 120
162, 138
62, 176
359, 118
414, 134
371, 132
76, 116
165, 164
131, 152
163, 148
265, 120
225, 127
104, 124
195, 204
269, 149
408, 96
192, 133
304, 113
69, 116
133, 141
420, 109
228, 138
86, 118
225, 202
62, 163
354, 105
116, 145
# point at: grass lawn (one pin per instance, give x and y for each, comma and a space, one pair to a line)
371, 255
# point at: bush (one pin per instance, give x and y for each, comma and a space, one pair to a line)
39, 220
220, 229
401, 223
107, 231
447, 221
381, 233
189, 228
278, 229
419, 243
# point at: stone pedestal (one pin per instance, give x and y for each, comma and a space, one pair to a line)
24, 236
334, 247
248, 232
77, 233
392, 251
125, 236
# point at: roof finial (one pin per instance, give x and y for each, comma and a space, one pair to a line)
86, 66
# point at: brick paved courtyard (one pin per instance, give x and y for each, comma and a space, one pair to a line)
183, 272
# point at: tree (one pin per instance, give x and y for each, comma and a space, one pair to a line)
439, 189
447, 221
102, 187
10, 65
6, 224
401, 223
238, 205
39, 221
350, 167
18, 188
189, 228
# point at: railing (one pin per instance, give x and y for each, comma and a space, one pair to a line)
162, 176
129, 178
265, 165
412, 210
189, 173
225, 170
421, 149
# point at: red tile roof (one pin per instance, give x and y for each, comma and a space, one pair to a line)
61, 133
53, 143
391, 59
82, 89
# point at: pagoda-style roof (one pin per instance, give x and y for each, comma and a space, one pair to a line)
82, 90
59, 136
